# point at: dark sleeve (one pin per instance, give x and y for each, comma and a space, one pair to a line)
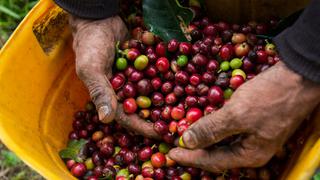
90, 9
299, 45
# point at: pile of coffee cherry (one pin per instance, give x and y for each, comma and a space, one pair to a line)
110, 152
173, 84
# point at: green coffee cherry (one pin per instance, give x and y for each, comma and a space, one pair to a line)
182, 60
123, 173
141, 62
235, 63
121, 63
164, 148
185, 176
227, 93
225, 66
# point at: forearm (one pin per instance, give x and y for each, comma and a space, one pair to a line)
90, 9
299, 45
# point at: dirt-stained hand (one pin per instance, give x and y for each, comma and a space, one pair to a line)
94, 46
266, 110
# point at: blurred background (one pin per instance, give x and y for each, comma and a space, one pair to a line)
11, 14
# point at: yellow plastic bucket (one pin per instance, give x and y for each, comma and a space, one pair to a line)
39, 92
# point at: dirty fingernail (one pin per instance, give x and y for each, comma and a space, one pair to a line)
103, 112
174, 153
188, 139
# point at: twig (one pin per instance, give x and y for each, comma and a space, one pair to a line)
4, 172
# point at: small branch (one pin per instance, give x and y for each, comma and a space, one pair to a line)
4, 172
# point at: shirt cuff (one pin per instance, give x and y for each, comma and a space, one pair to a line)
299, 45
90, 9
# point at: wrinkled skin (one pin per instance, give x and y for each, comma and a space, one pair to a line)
94, 46
267, 109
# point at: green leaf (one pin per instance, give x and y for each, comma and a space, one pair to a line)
9, 158
166, 18
74, 150
316, 176
9, 12
68, 153
76, 144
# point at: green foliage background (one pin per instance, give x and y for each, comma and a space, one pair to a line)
11, 13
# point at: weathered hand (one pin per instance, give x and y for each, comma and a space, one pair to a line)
266, 110
94, 46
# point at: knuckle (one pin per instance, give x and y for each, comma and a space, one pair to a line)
237, 110
87, 69
229, 111
203, 132
210, 129
97, 92
234, 114
96, 84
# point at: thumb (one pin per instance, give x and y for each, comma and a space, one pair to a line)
246, 153
211, 129
100, 91
94, 49
134, 123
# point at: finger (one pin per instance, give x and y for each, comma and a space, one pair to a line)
195, 157
102, 95
241, 154
100, 91
134, 123
94, 49
211, 129
90, 65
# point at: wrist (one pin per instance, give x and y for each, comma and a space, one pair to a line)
307, 89
113, 27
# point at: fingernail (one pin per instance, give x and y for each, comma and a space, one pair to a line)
174, 153
103, 112
188, 139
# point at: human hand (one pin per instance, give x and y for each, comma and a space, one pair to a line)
94, 46
266, 111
